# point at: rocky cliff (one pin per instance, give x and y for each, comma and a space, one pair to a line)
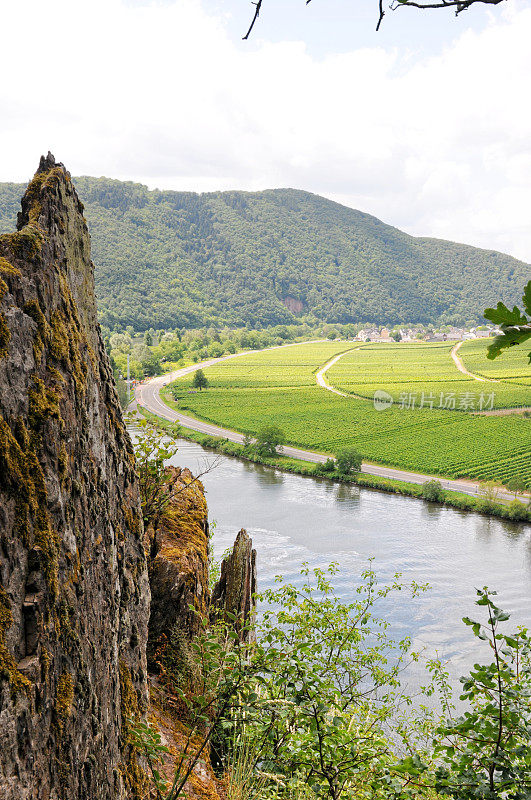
181, 607
74, 594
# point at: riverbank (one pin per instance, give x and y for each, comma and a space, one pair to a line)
514, 511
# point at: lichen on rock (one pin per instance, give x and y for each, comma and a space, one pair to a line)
178, 568
74, 593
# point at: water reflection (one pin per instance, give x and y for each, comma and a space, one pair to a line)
347, 493
513, 530
267, 476
431, 511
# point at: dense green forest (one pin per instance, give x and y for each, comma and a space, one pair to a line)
179, 259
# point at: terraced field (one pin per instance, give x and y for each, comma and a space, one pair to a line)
425, 374
294, 365
512, 367
278, 387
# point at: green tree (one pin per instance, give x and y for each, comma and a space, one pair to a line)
151, 365
216, 350
348, 462
324, 688
158, 486
120, 342
517, 484
200, 380
433, 490
489, 494
269, 440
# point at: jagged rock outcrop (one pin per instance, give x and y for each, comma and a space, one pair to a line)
74, 594
233, 593
178, 567
178, 573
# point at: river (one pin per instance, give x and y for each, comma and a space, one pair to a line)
294, 519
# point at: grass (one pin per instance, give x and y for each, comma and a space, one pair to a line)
278, 387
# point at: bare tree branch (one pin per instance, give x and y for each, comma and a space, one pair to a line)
258, 6
459, 5
382, 14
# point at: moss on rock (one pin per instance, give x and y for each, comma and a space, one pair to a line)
5, 335
43, 404
25, 244
8, 666
134, 777
64, 700
33, 310
21, 473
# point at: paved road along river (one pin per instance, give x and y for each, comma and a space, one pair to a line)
148, 396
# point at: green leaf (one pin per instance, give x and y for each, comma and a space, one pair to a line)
501, 315
509, 338
527, 298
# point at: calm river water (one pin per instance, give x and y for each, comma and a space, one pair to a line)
294, 519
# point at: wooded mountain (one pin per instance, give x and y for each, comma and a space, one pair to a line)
168, 259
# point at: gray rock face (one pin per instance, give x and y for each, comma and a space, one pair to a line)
74, 594
178, 567
234, 591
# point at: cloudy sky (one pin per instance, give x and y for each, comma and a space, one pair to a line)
426, 124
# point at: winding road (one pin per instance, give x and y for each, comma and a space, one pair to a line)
147, 396
461, 367
320, 377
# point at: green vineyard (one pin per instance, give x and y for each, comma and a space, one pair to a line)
428, 371
279, 387
513, 367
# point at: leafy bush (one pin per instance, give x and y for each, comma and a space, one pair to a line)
433, 490
485, 752
348, 462
327, 468
517, 511
324, 685
269, 440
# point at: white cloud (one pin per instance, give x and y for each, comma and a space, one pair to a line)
158, 92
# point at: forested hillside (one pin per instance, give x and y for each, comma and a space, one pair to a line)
172, 259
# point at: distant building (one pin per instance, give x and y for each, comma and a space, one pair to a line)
456, 333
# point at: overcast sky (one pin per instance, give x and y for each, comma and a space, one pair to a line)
426, 124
